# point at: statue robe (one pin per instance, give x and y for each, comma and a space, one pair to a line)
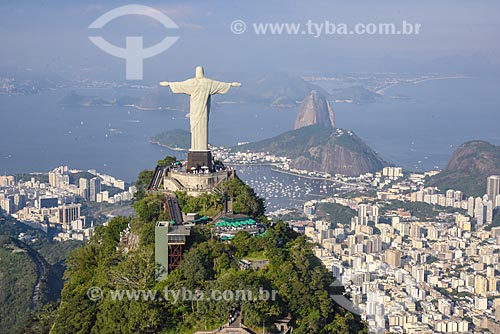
199, 91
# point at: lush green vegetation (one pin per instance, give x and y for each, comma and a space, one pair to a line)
315, 143
245, 201
419, 210
301, 283
167, 161
20, 271
142, 183
17, 279
293, 143
40, 177
336, 213
205, 205
299, 279
469, 183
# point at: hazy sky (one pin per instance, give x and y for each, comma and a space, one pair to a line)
455, 35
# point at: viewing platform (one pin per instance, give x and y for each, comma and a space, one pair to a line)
195, 184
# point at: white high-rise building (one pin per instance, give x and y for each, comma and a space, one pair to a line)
374, 213
479, 211
362, 211
489, 212
84, 189
480, 303
450, 193
493, 187
470, 206
95, 188
392, 172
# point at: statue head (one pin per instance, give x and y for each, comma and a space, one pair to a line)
199, 72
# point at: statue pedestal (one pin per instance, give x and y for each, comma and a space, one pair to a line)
198, 159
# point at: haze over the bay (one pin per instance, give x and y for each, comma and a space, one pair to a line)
48, 47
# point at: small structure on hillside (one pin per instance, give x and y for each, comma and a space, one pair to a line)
170, 240
228, 225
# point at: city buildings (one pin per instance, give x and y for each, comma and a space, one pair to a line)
56, 204
493, 187
411, 274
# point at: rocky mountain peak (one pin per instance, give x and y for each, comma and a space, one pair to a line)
315, 109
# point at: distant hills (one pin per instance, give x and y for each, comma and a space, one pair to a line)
469, 168
162, 98
320, 148
176, 139
317, 145
276, 88
356, 94
156, 98
72, 99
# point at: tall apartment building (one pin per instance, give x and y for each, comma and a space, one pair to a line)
493, 187
95, 188
84, 188
393, 257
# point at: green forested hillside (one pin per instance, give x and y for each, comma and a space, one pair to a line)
18, 274
30, 273
301, 283
469, 167
319, 148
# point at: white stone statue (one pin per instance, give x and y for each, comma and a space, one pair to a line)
199, 89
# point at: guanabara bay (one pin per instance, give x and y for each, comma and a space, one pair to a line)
249, 167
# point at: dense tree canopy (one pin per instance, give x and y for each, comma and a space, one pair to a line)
301, 284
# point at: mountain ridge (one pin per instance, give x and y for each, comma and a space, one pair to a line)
469, 166
322, 149
315, 109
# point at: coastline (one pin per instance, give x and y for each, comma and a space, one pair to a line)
381, 90
279, 170
154, 142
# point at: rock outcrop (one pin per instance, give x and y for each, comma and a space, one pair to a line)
315, 110
323, 149
469, 167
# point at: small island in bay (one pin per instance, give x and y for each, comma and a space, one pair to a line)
356, 94
73, 99
176, 139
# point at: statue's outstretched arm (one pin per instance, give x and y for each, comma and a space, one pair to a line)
183, 87
235, 84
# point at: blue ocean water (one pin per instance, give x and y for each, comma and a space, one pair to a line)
422, 131
419, 132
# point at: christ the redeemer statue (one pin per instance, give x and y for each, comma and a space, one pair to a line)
200, 89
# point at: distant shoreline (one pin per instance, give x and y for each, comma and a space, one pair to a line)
151, 109
381, 90
154, 142
279, 170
